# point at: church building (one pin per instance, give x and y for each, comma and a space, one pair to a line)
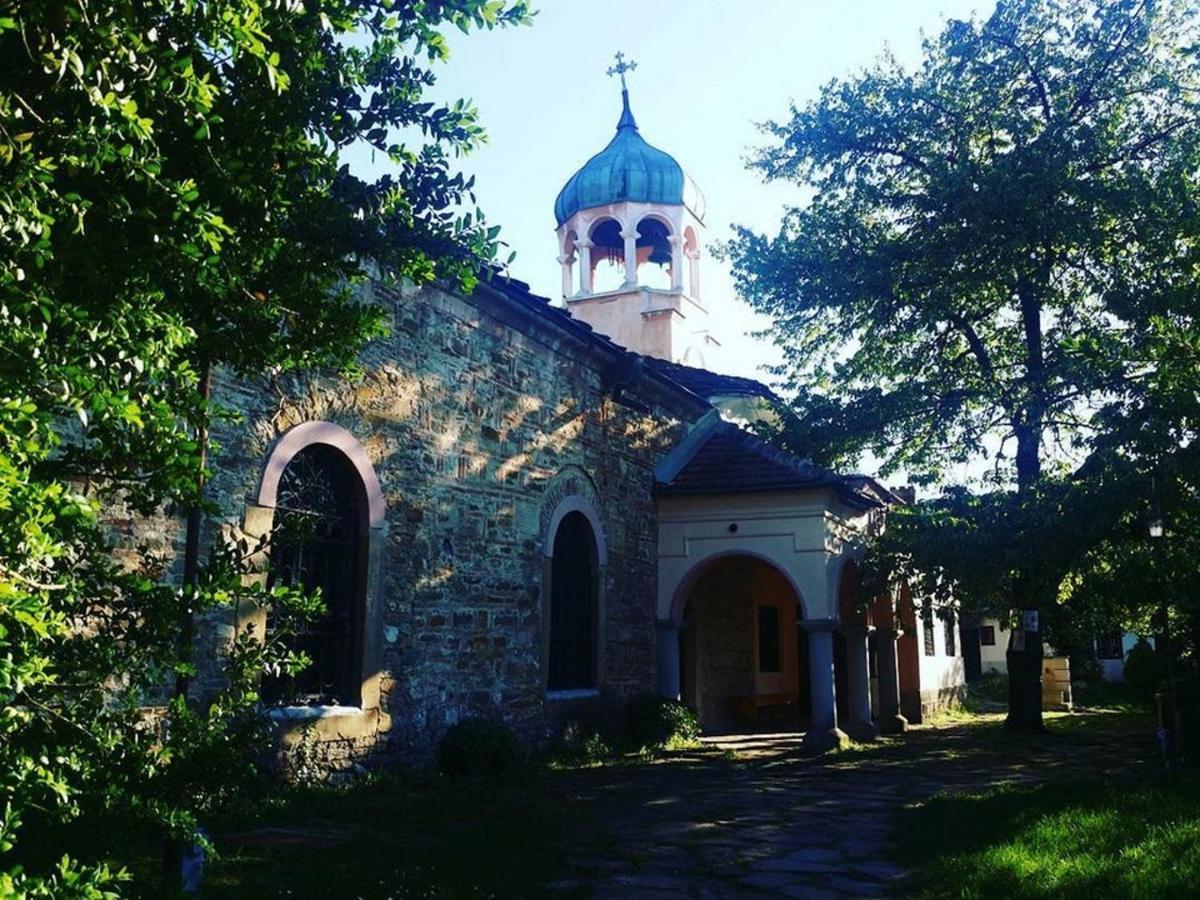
535, 511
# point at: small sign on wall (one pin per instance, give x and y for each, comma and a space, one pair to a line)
1029, 620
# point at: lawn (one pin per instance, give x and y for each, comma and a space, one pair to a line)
398, 836
1061, 839
1058, 840
421, 835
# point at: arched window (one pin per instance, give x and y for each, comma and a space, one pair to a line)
320, 543
574, 588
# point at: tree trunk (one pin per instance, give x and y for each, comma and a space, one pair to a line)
191, 552
173, 849
1024, 653
1025, 642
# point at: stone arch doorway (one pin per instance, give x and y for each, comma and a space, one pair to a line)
743, 658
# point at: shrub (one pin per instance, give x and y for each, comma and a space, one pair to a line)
580, 744
660, 723
1101, 694
1085, 668
477, 747
1141, 669
592, 749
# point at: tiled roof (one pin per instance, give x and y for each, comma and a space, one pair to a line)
733, 461
883, 493
710, 384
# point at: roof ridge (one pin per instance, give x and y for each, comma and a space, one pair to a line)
800, 464
696, 377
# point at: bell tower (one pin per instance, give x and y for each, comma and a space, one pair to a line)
630, 226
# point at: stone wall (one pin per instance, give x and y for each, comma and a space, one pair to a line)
476, 415
720, 633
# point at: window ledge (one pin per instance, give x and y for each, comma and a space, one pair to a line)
290, 713
327, 723
575, 694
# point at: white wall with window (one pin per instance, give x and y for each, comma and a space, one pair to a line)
941, 661
1112, 649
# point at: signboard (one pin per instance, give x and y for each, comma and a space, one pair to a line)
1029, 620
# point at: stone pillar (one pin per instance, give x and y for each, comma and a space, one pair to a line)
668, 659
630, 236
568, 283
858, 683
676, 262
890, 719
694, 273
585, 265
823, 734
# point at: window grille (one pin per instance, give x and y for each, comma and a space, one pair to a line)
574, 585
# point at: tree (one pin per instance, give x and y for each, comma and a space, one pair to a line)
173, 198
989, 243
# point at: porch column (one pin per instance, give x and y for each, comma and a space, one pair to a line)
858, 682
630, 236
890, 719
824, 733
668, 659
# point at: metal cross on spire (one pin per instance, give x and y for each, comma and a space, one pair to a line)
621, 68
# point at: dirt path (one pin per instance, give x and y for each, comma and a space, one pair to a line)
755, 817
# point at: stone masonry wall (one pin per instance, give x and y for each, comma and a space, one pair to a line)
723, 641
473, 423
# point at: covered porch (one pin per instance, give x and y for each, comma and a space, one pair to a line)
760, 627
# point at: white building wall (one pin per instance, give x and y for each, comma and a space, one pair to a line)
800, 533
943, 675
1114, 669
993, 659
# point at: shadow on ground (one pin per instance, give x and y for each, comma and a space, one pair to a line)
739, 816
754, 814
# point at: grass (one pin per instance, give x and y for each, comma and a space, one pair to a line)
1062, 839
987, 699
402, 836
1073, 840
1101, 694
990, 688
418, 835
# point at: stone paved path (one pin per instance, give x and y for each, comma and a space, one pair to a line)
754, 817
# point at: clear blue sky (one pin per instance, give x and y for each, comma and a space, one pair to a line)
708, 70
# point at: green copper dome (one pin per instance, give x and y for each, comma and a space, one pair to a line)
627, 169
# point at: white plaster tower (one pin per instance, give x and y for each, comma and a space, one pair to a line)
633, 209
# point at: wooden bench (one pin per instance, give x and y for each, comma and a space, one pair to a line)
746, 706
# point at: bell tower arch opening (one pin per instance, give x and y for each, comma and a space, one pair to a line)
607, 256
